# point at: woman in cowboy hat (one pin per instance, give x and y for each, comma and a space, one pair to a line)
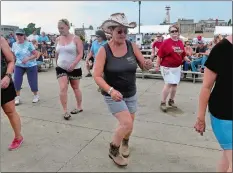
118, 61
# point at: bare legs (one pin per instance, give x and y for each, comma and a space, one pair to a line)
225, 164
77, 92
13, 116
63, 83
169, 89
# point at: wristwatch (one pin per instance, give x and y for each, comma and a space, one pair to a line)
8, 75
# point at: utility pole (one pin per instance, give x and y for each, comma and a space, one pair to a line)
139, 25
139, 13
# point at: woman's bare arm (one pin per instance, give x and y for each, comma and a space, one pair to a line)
208, 83
79, 45
9, 56
56, 53
139, 56
99, 68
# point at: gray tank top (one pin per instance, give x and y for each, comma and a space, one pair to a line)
120, 72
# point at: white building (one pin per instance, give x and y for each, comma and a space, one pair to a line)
7, 29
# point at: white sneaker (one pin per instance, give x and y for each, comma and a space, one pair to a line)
17, 100
35, 99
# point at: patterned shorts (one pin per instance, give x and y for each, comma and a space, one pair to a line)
76, 74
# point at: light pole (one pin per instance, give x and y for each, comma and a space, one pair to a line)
139, 25
139, 13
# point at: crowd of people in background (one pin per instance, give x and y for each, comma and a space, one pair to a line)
114, 61
197, 52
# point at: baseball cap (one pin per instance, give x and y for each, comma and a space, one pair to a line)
101, 34
20, 31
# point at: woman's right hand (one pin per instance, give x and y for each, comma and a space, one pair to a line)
157, 68
116, 95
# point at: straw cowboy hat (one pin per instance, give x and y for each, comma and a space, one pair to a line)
117, 19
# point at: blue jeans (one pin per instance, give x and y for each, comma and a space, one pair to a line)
32, 74
186, 66
200, 61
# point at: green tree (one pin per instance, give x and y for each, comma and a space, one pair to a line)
30, 28
229, 23
91, 27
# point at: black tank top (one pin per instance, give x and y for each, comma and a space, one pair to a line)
120, 72
3, 65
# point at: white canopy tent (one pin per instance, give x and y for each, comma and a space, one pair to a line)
163, 29
168, 36
223, 30
89, 34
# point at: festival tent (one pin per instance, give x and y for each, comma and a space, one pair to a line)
223, 30
144, 29
166, 36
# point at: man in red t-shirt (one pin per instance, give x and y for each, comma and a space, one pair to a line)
156, 45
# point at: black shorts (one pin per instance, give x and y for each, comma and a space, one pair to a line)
8, 94
92, 59
76, 74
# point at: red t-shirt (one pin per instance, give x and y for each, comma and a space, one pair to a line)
171, 53
157, 44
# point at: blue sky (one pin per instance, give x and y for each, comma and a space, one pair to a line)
46, 14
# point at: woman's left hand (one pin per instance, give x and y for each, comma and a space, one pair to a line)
5, 82
71, 68
25, 60
148, 64
200, 125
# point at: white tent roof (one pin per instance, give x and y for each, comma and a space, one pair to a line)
223, 30
150, 29
168, 36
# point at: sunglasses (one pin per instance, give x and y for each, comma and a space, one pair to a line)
174, 31
125, 31
20, 34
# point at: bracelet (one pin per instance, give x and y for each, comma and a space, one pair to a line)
8, 75
110, 90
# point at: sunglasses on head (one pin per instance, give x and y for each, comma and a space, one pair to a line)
174, 31
20, 34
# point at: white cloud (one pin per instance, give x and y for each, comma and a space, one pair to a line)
46, 14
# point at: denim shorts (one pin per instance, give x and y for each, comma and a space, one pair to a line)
223, 132
126, 104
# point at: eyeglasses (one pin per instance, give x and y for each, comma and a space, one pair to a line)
174, 31
20, 34
125, 31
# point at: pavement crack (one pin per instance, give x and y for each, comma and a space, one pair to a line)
168, 124
214, 149
79, 151
101, 130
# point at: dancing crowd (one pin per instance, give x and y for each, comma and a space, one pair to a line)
115, 63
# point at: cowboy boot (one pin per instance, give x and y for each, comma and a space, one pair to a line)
172, 103
163, 107
125, 148
115, 155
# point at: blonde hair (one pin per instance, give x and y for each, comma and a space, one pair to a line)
65, 21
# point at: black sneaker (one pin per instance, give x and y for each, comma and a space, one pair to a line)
89, 75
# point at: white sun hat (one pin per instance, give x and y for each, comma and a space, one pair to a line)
117, 19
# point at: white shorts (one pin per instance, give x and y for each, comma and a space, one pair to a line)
171, 75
